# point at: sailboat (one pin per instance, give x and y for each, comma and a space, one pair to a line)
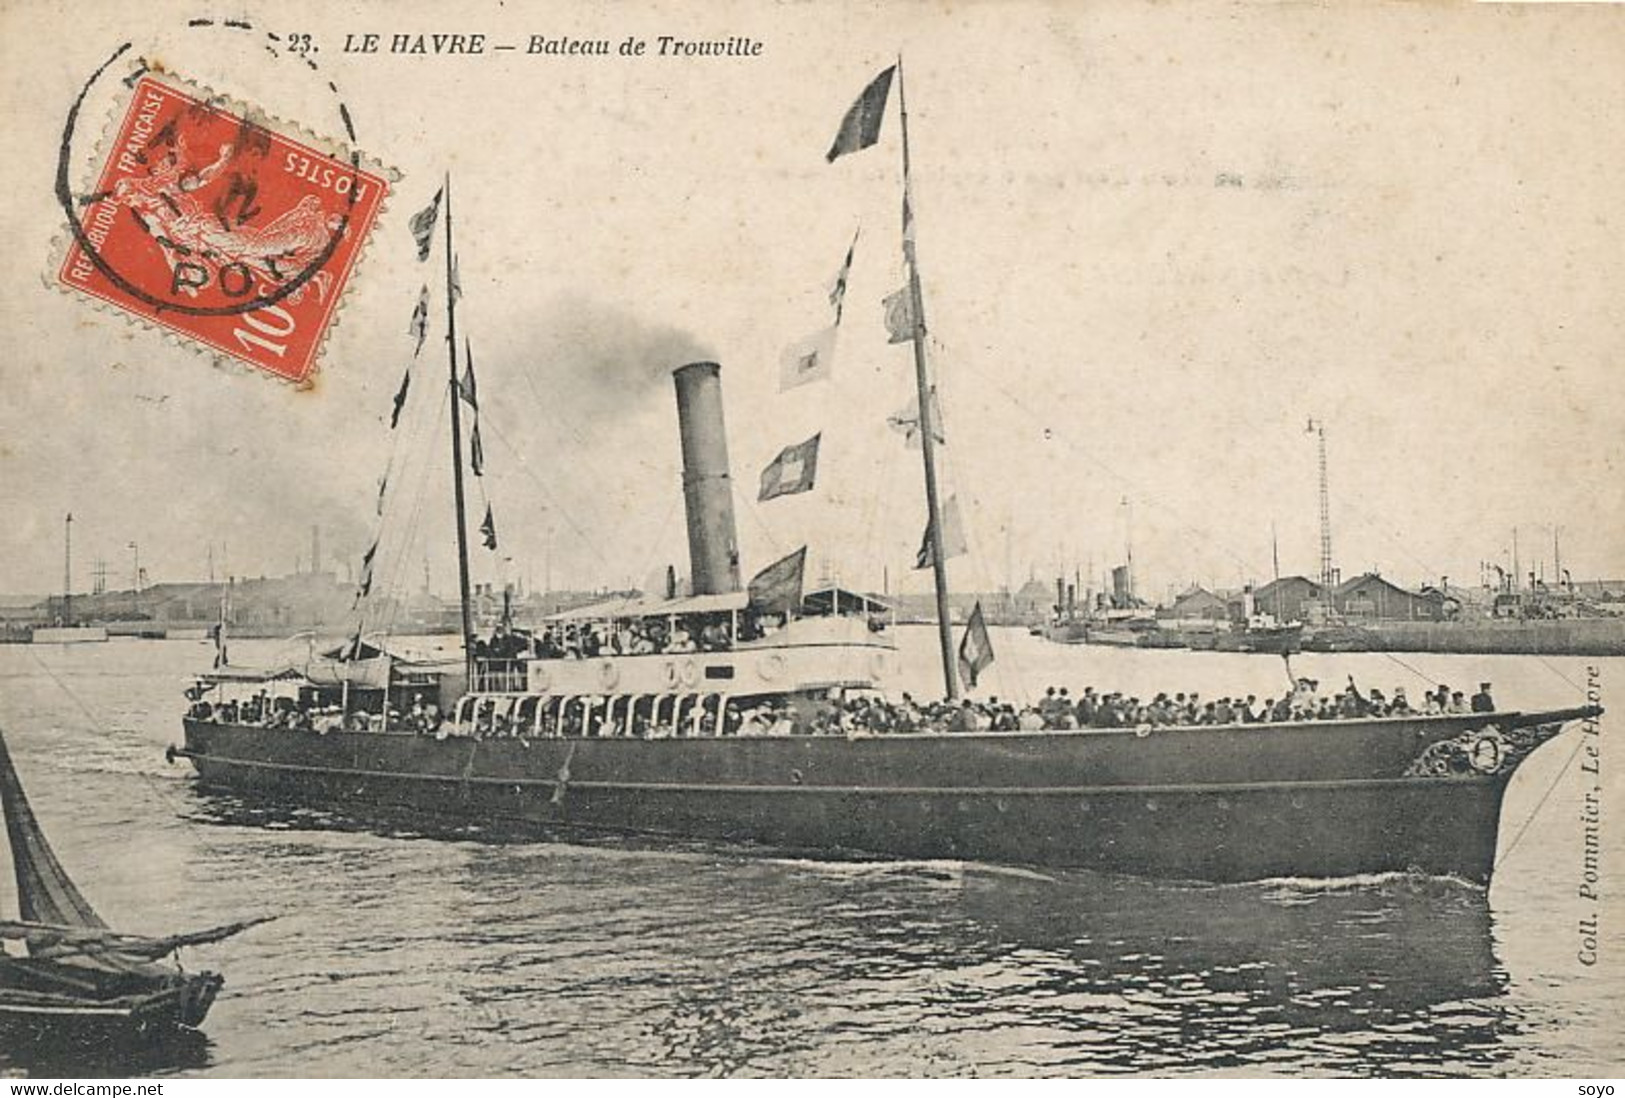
727, 714
81, 980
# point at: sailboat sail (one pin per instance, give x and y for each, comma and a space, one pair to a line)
44, 892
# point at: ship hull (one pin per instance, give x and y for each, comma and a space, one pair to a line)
1222, 804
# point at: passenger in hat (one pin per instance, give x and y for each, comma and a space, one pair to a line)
1482, 702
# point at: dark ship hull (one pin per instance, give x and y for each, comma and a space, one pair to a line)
36, 1010
1318, 799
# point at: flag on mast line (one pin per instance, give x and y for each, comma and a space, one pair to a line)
794, 470
953, 536
465, 384
976, 649
476, 452
422, 225
776, 589
807, 360
861, 126
900, 322
420, 320
837, 292
456, 281
908, 220
366, 568
488, 528
907, 422
400, 398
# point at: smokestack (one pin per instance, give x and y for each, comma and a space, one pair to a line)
713, 545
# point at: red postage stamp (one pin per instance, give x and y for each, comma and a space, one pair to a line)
216, 227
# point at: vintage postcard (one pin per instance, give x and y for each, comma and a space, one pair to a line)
807, 538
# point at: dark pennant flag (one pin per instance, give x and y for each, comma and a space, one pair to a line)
861, 126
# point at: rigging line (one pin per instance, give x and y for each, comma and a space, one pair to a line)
1578, 689
404, 437
1579, 743
565, 427
1193, 533
523, 465
405, 537
1429, 679
387, 528
1369, 521
172, 797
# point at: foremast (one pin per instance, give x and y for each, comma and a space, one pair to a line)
928, 425
457, 446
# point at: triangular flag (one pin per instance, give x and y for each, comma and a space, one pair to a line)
465, 385
776, 589
792, 471
908, 221
420, 320
907, 421
976, 649
900, 322
422, 225
837, 292
400, 398
953, 536
456, 281
488, 528
861, 126
476, 452
807, 360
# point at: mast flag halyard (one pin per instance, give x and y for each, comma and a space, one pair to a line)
905, 320
457, 444
928, 425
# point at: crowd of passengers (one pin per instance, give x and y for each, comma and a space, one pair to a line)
638, 637
854, 714
1059, 709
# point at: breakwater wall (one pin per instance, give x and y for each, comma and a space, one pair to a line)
1567, 637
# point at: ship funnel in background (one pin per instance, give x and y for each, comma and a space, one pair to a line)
713, 544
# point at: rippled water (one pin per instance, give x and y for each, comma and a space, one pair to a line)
404, 953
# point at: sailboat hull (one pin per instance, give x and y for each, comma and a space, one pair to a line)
31, 1014
1323, 799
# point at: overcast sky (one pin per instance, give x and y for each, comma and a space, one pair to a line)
1155, 240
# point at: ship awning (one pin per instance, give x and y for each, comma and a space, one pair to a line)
654, 608
251, 674
827, 599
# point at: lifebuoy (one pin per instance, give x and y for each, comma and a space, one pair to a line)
691, 672
673, 677
771, 667
609, 674
1487, 754
536, 677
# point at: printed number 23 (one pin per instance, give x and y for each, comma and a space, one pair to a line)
300, 44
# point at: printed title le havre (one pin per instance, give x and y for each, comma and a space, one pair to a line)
660, 45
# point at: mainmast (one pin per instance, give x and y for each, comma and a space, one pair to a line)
457, 446
928, 426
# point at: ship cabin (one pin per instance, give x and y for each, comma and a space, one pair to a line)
358, 687
681, 666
